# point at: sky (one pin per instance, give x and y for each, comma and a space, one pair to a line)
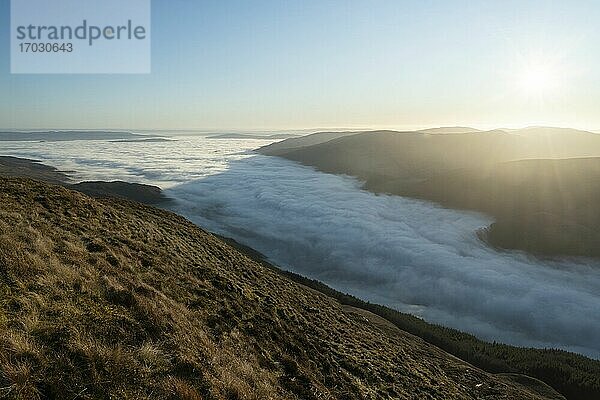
275, 65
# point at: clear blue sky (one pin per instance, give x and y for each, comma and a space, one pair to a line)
277, 64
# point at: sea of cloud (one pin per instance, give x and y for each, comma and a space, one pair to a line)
407, 254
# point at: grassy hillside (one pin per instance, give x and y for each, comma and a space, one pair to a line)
575, 376
113, 299
539, 183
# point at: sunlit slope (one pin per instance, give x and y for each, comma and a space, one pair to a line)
110, 298
540, 183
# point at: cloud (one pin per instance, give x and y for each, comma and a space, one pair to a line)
408, 254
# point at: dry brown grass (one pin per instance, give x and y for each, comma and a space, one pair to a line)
112, 299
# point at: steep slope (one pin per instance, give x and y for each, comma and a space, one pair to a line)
113, 299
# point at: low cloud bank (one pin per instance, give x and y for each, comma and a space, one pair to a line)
404, 253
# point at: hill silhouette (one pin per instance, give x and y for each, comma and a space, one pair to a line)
539, 183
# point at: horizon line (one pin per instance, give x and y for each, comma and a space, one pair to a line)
412, 128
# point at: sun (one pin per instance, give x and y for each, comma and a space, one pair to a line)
538, 79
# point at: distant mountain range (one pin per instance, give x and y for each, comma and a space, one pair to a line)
274, 136
54, 136
541, 184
